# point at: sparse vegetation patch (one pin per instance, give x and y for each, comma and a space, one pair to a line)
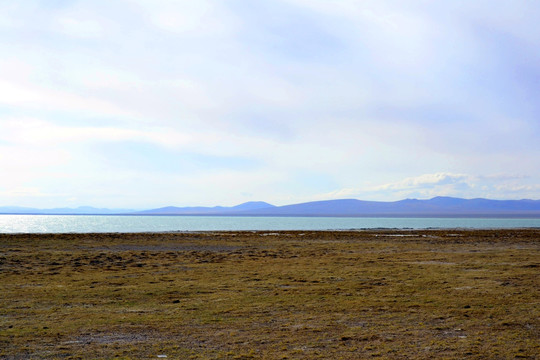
241, 295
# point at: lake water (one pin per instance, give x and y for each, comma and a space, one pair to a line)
106, 223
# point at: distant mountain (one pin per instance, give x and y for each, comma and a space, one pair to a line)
252, 205
169, 210
435, 207
201, 210
438, 206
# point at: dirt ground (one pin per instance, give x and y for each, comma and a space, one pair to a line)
397, 294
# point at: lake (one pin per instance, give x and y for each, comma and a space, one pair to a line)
108, 223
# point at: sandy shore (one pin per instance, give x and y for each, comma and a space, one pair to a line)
285, 294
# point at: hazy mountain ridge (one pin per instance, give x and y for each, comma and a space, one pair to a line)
437, 206
408, 207
202, 210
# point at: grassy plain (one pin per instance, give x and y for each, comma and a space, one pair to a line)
287, 295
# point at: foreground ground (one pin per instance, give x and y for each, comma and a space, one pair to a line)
389, 294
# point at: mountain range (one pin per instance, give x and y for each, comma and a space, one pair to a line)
435, 207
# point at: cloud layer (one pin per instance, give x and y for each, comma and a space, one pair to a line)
148, 103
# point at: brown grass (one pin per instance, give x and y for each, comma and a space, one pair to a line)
296, 295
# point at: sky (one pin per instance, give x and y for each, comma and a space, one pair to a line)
149, 103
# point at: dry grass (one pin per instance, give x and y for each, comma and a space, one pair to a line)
430, 294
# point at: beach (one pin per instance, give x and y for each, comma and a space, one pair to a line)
400, 294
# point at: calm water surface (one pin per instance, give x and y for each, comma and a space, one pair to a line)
105, 223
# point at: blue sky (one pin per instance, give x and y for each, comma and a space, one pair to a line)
147, 103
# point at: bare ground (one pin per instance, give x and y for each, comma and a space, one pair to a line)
236, 295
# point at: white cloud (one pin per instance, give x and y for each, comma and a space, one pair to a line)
32, 132
497, 186
195, 18
422, 181
26, 192
80, 28
46, 99
355, 96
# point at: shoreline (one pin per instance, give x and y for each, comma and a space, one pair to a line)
278, 232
